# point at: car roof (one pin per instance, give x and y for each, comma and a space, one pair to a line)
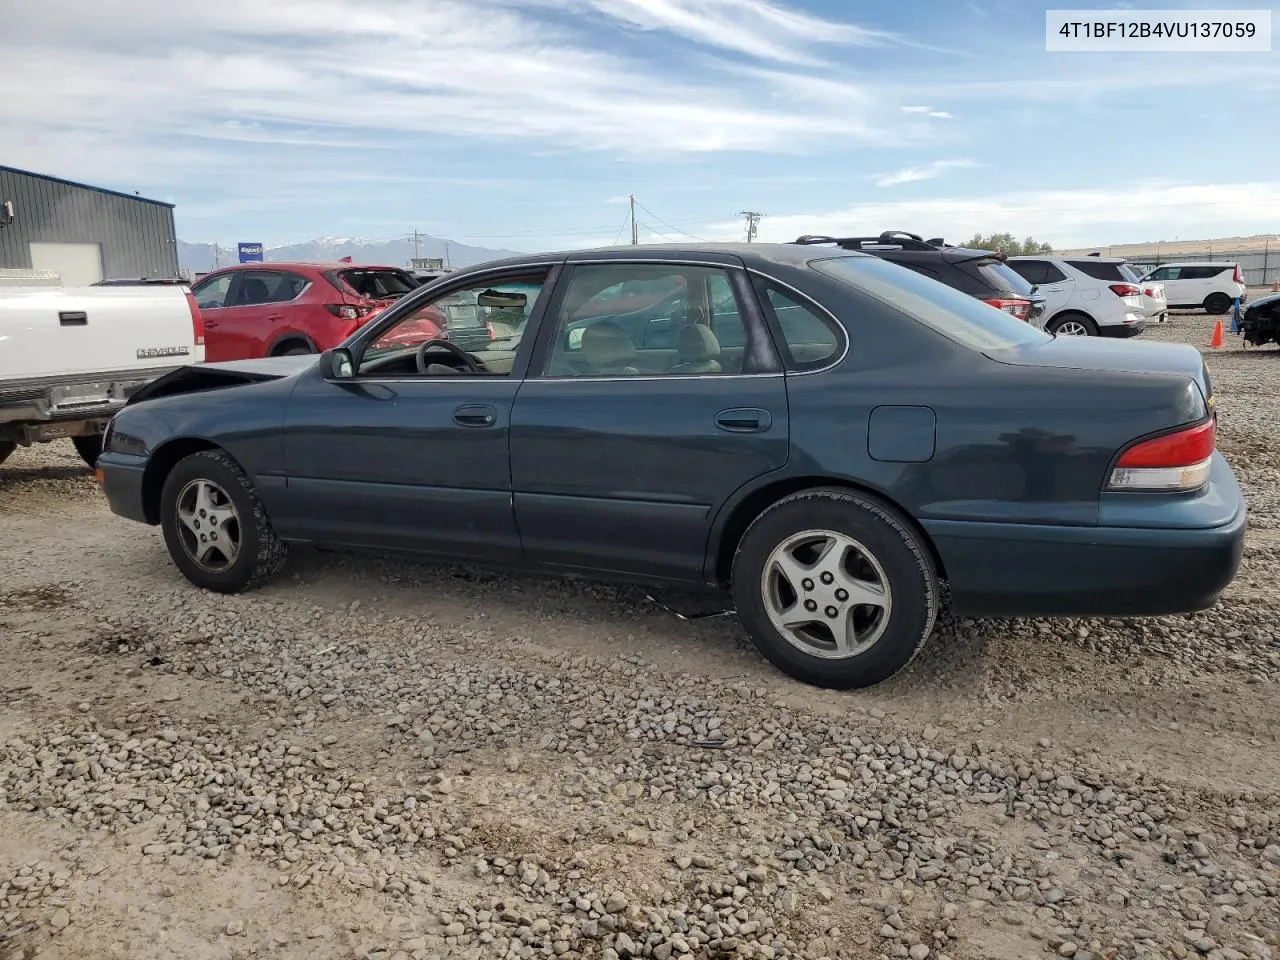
752, 254
1058, 256
306, 265
1197, 263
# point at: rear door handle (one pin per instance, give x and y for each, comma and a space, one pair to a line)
744, 420
475, 415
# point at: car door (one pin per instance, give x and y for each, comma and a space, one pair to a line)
618, 461
1056, 286
1175, 287
211, 294
253, 312
408, 455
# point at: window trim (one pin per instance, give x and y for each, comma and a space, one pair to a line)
426, 295
750, 311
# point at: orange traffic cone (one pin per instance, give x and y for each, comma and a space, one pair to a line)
1217, 335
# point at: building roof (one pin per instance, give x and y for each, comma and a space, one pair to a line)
84, 186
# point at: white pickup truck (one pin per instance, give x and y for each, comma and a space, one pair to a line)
71, 356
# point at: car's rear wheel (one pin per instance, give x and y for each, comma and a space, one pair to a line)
835, 588
215, 526
1073, 325
89, 448
1217, 304
6, 447
293, 350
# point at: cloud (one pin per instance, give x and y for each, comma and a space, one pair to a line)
1135, 212
916, 110
927, 172
168, 91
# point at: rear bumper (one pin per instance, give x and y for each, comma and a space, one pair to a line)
1011, 569
1130, 328
121, 476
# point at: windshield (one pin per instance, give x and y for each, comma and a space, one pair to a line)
377, 284
956, 315
1003, 277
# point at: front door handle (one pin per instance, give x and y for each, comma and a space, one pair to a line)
475, 415
744, 420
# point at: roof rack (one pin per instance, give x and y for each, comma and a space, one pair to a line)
899, 239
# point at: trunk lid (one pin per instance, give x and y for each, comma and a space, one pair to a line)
1114, 356
213, 376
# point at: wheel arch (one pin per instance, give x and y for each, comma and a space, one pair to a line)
728, 529
159, 465
290, 338
1071, 311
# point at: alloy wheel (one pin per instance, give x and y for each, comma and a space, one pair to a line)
826, 594
208, 525
1072, 328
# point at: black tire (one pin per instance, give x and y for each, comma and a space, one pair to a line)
260, 553
1086, 321
294, 350
89, 448
1217, 304
6, 447
904, 560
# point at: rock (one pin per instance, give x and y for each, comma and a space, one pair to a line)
918, 952
616, 903
235, 928
59, 920
1067, 949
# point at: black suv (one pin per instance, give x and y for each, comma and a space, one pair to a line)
979, 273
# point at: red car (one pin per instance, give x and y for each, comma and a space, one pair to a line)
275, 309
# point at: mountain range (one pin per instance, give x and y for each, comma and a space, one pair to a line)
200, 257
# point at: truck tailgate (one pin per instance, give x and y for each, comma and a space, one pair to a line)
61, 332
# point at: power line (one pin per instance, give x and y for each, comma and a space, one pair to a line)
657, 233
669, 226
618, 236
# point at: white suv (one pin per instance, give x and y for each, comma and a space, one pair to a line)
1085, 296
1212, 286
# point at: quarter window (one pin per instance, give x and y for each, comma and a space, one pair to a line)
809, 337
629, 320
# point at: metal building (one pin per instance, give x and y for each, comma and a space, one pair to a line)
83, 233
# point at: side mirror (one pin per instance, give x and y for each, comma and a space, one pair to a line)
339, 365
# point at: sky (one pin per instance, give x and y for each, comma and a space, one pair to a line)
526, 124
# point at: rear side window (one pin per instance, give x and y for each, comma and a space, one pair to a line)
810, 338
376, 284
1099, 269
1201, 273
955, 315
266, 286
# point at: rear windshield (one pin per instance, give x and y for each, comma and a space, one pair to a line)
377, 284
1099, 269
1003, 278
956, 315
1130, 272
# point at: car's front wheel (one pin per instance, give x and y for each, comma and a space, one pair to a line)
835, 588
215, 526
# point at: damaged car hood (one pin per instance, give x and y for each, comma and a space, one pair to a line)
214, 376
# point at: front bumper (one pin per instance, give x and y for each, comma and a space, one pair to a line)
121, 477
1139, 569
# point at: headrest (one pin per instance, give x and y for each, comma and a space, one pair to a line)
606, 344
696, 343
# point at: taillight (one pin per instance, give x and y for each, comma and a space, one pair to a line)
1150, 291
197, 319
344, 311
1126, 290
1018, 308
1238, 276
1174, 461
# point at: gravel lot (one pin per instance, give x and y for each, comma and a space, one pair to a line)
386, 759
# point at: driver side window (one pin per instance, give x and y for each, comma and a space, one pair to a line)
471, 330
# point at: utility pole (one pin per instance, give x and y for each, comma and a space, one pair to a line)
753, 221
635, 237
416, 237
446, 253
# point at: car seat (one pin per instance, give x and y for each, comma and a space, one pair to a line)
254, 290
697, 351
606, 349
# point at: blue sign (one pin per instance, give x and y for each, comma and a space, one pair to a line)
250, 253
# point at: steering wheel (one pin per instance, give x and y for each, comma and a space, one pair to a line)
420, 357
